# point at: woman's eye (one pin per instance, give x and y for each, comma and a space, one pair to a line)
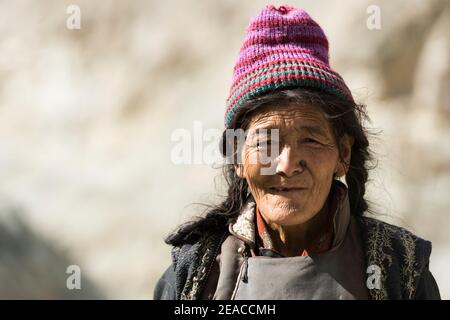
309, 140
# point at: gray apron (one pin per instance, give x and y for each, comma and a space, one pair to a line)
336, 274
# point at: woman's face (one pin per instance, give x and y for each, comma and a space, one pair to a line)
287, 192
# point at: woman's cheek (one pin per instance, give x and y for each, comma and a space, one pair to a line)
252, 164
321, 161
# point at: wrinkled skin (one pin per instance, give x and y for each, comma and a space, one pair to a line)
294, 216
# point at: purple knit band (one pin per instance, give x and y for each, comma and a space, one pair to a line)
283, 48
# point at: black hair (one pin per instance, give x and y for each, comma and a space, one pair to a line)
345, 117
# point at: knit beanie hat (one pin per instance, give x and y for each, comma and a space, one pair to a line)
283, 48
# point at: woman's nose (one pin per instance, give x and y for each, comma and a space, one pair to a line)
289, 162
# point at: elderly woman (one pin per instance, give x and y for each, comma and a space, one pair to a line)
290, 228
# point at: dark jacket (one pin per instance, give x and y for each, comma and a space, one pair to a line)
402, 257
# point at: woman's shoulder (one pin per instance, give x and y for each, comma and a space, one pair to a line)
403, 258
191, 261
195, 246
381, 232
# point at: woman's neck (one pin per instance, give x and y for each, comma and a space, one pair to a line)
292, 240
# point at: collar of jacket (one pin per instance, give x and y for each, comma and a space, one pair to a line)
244, 226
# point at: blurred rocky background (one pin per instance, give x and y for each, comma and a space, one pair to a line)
86, 118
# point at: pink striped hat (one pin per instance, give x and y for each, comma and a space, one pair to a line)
283, 48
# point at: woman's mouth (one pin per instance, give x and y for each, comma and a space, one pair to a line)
285, 189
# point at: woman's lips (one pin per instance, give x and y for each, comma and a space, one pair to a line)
286, 189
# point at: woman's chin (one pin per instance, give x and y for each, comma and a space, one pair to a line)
285, 202
287, 216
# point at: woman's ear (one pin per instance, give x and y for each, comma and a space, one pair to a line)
238, 162
346, 143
